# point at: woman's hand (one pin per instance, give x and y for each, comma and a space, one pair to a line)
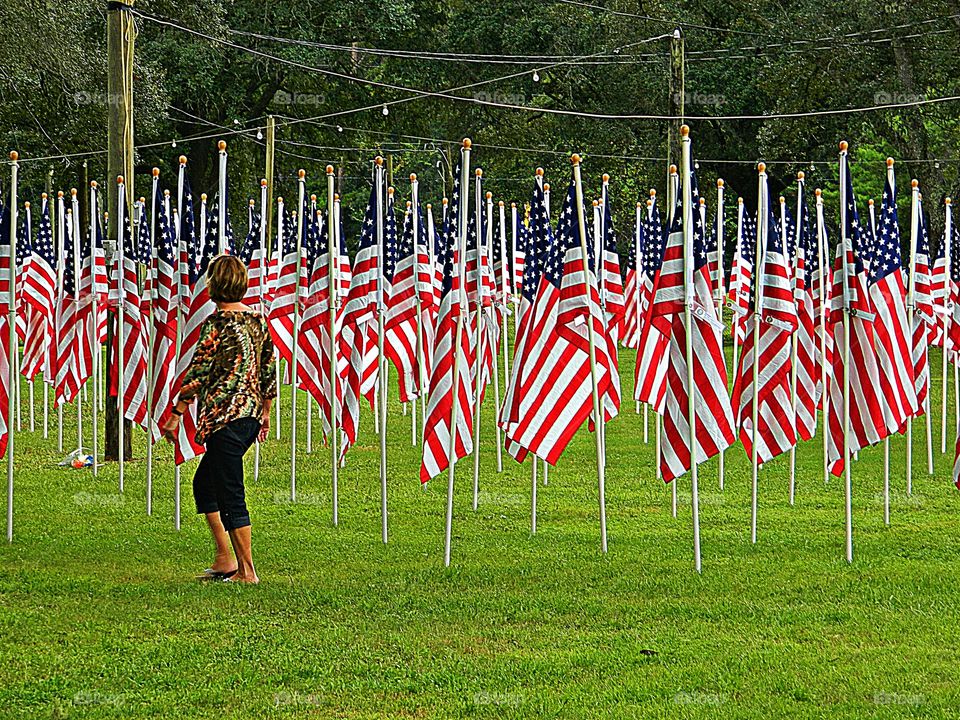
170, 427
264, 427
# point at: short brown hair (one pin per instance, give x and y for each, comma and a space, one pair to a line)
226, 279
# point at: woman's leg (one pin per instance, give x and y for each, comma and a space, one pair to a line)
228, 446
206, 500
223, 561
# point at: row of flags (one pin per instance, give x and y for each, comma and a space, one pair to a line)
432, 297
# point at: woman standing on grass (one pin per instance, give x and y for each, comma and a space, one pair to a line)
232, 375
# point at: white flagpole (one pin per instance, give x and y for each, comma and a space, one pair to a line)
635, 300
151, 366
719, 295
29, 221
801, 184
381, 357
333, 281
481, 336
947, 235
308, 400
672, 190
61, 264
12, 329
263, 269
598, 259
75, 224
222, 205
181, 173
505, 294
421, 355
763, 227
823, 257
515, 232
912, 303
495, 370
455, 405
121, 214
425, 378
601, 485
301, 185
846, 353
688, 281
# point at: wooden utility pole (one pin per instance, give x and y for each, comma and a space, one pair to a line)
120, 37
268, 210
676, 100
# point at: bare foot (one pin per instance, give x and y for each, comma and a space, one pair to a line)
247, 579
224, 564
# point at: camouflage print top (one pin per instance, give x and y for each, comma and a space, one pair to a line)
232, 372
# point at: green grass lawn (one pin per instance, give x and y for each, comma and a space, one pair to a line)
100, 616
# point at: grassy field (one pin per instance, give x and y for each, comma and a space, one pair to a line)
100, 616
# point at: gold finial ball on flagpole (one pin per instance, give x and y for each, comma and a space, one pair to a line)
143, 200
479, 172
222, 146
26, 205
606, 177
444, 201
761, 167
378, 160
203, 197
739, 201
313, 198
719, 182
336, 197
500, 203
575, 159
93, 184
429, 206
389, 191
889, 162
263, 182
73, 192
467, 143
409, 205
183, 159
947, 201
684, 131
844, 145
800, 175
596, 203
673, 169
546, 187
252, 202
649, 203
653, 192
914, 183
156, 172
301, 173
329, 169
43, 196
413, 177
60, 193
489, 195
870, 202
818, 192
783, 200
14, 156
513, 204
166, 193
539, 172
640, 204
119, 179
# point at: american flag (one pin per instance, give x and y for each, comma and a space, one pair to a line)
551, 390
133, 384
94, 287
40, 294
650, 378
767, 347
923, 316
284, 303
892, 334
68, 318
453, 355
519, 239
201, 308
23, 260
817, 259
631, 288
253, 255
313, 374
613, 302
851, 299
714, 418
741, 273
362, 304
806, 367
940, 294
400, 301
6, 222
186, 244
164, 280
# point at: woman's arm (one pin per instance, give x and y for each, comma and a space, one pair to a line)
268, 369
196, 375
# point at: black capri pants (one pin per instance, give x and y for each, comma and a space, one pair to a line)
218, 482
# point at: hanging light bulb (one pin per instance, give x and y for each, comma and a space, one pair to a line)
536, 76
236, 122
173, 144
259, 134
386, 110
339, 128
